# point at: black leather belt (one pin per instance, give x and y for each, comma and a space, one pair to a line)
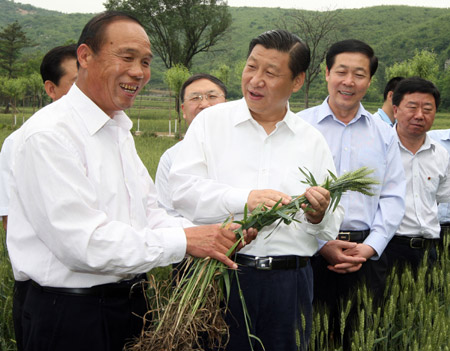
445, 225
353, 235
413, 243
120, 289
275, 262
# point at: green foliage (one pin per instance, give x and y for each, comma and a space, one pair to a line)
223, 73
395, 32
414, 314
423, 64
7, 338
444, 87
179, 30
35, 88
319, 30
12, 40
175, 77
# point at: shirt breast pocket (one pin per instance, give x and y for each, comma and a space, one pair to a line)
431, 186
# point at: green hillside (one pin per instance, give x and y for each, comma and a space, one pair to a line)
395, 32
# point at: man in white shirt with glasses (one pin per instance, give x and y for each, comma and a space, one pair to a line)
197, 93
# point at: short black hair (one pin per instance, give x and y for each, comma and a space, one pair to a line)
284, 41
199, 76
93, 32
352, 45
415, 85
51, 63
391, 85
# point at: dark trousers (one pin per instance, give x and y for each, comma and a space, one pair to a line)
276, 301
401, 254
57, 322
19, 295
331, 288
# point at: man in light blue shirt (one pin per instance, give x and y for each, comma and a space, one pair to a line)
442, 136
386, 112
356, 139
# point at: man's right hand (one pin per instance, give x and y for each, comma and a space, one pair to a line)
267, 197
334, 251
214, 241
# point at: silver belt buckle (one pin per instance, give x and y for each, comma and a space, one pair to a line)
412, 242
264, 263
344, 236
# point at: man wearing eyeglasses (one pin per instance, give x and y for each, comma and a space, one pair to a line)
197, 93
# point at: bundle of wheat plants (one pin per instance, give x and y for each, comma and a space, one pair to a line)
189, 315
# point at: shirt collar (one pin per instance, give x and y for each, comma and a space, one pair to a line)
325, 112
91, 115
385, 117
428, 144
245, 115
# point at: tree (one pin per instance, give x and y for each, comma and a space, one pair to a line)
444, 87
223, 73
14, 89
424, 64
36, 88
319, 30
179, 29
12, 40
175, 77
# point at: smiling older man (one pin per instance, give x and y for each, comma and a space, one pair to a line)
84, 224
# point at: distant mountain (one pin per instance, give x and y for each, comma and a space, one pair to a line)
44, 27
393, 31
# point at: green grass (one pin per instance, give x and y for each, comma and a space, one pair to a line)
414, 315
7, 339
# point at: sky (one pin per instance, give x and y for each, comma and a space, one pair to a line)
94, 6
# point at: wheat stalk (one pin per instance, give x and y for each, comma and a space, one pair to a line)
194, 304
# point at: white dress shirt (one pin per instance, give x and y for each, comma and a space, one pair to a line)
442, 136
427, 182
83, 208
226, 154
370, 142
162, 178
5, 173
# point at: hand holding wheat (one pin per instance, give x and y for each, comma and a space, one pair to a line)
194, 306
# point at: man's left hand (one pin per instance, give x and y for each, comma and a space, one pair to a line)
319, 199
360, 250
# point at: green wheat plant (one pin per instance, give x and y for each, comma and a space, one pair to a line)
188, 315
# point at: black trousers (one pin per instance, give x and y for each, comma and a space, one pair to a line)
331, 288
276, 301
57, 322
19, 295
400, 254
